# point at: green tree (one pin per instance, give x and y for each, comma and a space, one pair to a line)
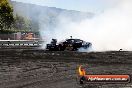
6, 15
34, 26
21, 23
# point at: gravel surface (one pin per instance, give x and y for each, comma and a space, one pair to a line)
35, 68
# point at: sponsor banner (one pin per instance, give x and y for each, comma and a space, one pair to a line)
107, 78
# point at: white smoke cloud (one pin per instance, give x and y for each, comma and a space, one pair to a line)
110, 30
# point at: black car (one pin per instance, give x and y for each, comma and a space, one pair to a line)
68, 44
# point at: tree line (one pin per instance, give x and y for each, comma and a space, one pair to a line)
10, 23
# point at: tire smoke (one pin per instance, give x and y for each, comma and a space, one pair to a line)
110, 30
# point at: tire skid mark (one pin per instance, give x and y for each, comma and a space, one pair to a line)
20, 83
57, 76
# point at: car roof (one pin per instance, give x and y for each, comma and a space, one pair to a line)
74, 39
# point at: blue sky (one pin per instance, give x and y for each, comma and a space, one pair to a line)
95, 6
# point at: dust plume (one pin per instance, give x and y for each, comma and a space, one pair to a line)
110, 30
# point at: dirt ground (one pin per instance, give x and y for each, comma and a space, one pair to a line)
22, 68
